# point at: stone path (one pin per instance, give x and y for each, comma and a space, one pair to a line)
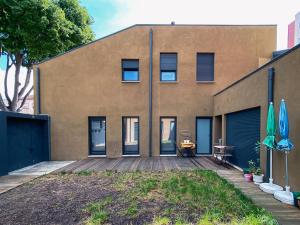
24, 175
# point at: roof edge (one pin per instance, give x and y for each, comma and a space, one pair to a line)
83, 45
259, 68
153, 25
209, 25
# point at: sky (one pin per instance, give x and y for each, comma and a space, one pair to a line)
112, 15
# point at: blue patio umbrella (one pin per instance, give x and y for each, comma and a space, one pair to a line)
285, 145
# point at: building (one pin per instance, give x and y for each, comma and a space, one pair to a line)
294, 31
93, 92
28, 107
132, 93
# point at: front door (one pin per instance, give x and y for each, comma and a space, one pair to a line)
203, 135
97, 133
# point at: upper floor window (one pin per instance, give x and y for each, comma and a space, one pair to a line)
130, 70
168, 66
205, 66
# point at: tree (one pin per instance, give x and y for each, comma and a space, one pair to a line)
34, 30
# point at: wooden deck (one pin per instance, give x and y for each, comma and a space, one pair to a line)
285, 214
141, 164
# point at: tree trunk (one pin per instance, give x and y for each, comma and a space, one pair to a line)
5, 80
27, 80
14, 103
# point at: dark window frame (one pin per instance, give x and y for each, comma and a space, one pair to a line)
210, 133
161, 70
160, 131
90, 119
214, 57
127, 69
123, 134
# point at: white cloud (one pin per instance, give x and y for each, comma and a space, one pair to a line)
208, 12
11, 80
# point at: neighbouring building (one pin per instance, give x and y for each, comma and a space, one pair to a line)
294, 31
28, 107
133, 92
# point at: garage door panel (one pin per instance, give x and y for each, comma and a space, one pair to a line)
25, 143
242, 132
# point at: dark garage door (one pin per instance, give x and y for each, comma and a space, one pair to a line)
24, 140
242, 132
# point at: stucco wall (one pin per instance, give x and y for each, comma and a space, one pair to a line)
87, 82
252, 92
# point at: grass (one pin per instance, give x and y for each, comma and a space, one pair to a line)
177, 197
98, 214
84, 173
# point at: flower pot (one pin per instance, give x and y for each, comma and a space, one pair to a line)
257, 179
248, 177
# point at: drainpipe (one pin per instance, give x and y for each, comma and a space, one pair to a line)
150, 89
37, 91
271, 75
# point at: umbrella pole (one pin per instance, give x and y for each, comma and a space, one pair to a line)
287, 188
271, 166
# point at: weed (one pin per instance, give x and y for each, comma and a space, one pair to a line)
148, 185
161, 221
97, 211
84, 173
132, 210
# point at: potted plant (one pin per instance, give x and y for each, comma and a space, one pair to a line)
298, 201
247, 175
258, 176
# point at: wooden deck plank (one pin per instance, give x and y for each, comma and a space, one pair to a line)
135, 163
86, 165
99, 163
74, 165
284, 214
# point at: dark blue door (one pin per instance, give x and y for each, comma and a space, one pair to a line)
25, 143
242, 132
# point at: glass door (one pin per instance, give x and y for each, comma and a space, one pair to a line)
130, 135
97, 135
168, 135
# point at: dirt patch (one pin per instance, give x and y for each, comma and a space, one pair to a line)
172, 197
53, 199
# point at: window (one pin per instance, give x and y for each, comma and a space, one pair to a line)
130, 70
205, 66
167, 135
97, 133
130, 135
168, 66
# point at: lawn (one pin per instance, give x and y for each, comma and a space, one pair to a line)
175, 197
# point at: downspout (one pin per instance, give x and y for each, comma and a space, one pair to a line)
37, 91
150, 89
271, 75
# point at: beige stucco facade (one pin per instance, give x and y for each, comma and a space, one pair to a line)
87, 82
253, 92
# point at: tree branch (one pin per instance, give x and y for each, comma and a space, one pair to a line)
27, 80
5, 80
2, 104
24, 99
